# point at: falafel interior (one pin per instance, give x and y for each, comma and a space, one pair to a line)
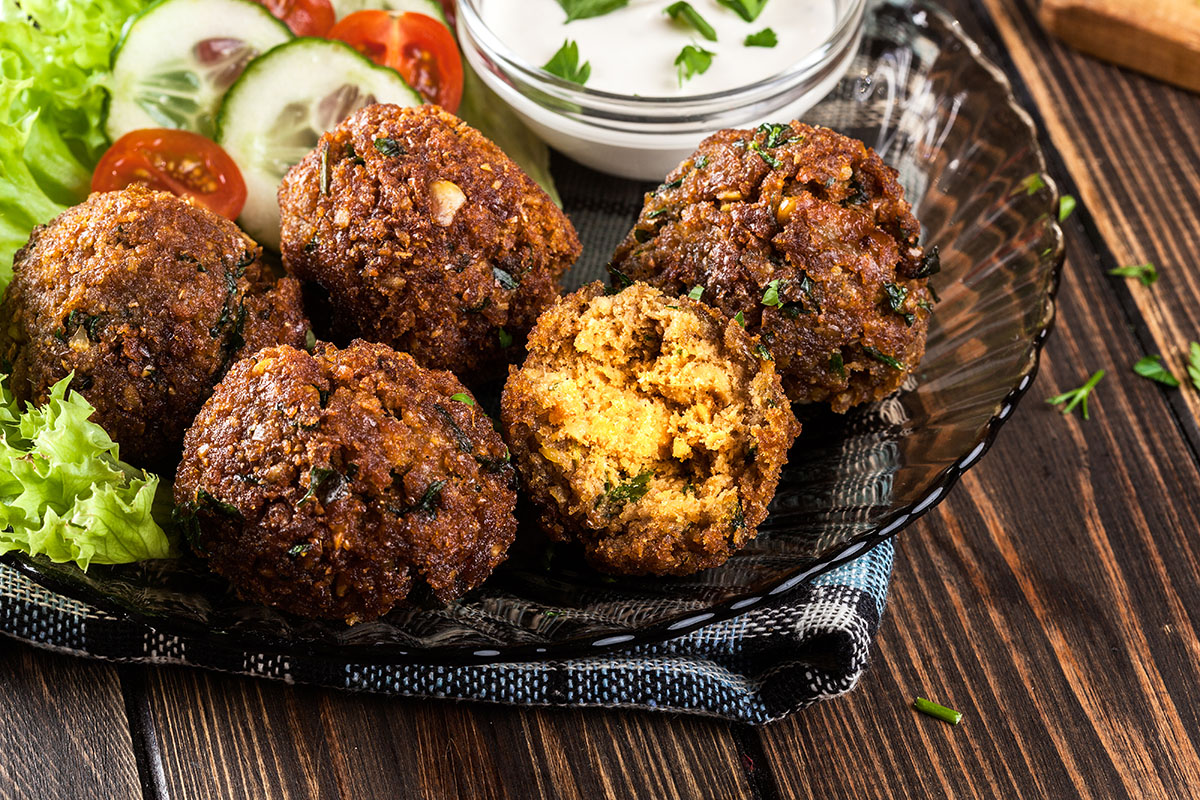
648, 427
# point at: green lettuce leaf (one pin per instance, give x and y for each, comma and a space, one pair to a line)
54, 57
65, 493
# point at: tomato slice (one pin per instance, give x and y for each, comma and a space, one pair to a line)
180, 162
417, 46
303, 17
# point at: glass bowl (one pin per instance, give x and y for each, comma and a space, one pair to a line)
645, 137
921, 94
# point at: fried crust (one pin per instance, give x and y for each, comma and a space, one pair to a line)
328, 484
148, 298
425, 236
819, 217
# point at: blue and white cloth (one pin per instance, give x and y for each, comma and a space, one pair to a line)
811, 645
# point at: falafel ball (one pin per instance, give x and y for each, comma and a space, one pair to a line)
148, 298
807, 233
425, 236
327, 484
650, 428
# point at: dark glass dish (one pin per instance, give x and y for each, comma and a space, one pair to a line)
921, 94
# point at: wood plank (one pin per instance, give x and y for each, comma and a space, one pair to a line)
224, 736
1131, 150
1052, 598
64, 731
1158, 37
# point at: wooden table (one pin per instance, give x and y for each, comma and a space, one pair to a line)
1053, 597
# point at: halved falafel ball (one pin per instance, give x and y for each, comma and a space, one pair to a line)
650, 428
328, 484
425, 236
807, 233
148, 299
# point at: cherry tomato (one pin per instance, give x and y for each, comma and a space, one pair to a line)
303, 17
180, 162
417, 46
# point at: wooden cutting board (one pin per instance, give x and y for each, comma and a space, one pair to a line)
1158, 37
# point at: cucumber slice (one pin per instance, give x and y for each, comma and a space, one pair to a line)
275, 113
432, 8
178, 57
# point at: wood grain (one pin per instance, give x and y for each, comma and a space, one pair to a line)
1158, 37
1130, 148
63, 729
1052, 597
224, 736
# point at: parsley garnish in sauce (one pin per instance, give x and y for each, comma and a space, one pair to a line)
764, 38
746, 9
684, 11
692, 61
583, 9
565, 64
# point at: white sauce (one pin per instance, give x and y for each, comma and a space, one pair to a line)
632, 50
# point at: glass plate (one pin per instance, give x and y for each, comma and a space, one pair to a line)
922, 95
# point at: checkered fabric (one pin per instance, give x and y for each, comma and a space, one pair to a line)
773, 660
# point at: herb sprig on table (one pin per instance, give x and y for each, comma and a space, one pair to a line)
1146, 273
1077, 397
1151, 367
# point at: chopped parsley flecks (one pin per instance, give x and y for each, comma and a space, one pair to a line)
931, 263
1032, 182
428, 504
1066, 205
883, 358
771, 295
629, 492
932, 709
389, 147
1146, 273
836, 364
1152, 367
505, 279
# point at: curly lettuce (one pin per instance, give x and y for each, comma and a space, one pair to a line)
54, 55
65, 493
